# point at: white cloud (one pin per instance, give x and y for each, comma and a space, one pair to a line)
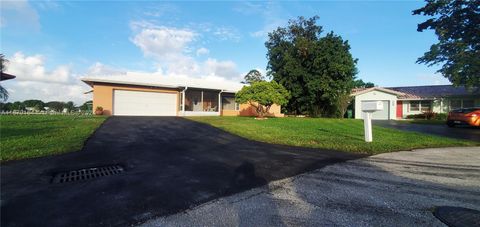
163, 43
47, 5
224, 69
31, 68
161, 10
227, 33
249, 8
99, 69
19, 15
24, 90
272, 13
171, 49
34, 81
202, 51
270, 25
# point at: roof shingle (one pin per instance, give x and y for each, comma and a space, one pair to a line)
434, 91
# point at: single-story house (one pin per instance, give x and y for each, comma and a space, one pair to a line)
399, 102
157, 96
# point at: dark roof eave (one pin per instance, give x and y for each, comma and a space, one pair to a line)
6, 76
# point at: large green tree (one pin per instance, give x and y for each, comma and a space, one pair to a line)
262, 95
317, 70
17, 106
55, 106
359, 83
253, 76
34, 103
86, 106
457, 26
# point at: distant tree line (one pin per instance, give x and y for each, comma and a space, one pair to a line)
39, 105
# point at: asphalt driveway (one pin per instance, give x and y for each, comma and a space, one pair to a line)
390, 189
171, 164
458, 132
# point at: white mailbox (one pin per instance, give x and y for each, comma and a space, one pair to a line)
372, 106
368, 107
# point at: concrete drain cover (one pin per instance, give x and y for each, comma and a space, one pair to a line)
86, 174
457, 216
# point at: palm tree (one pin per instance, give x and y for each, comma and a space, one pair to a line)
3, 91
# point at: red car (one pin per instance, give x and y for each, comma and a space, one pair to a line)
465, 116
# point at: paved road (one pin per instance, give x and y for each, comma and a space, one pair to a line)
171, 164
458, 132
392, 189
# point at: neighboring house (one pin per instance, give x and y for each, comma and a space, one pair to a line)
399, 102
152, 96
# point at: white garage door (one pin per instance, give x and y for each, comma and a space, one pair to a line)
139, 103
383, 114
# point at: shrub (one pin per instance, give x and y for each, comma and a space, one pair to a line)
262, 95
416, 116
441, 116
429, 115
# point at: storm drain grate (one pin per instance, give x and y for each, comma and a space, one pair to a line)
86, 174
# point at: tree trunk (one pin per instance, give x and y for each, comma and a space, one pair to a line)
260, 111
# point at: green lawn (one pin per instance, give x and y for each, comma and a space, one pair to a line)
29, 136
336, 134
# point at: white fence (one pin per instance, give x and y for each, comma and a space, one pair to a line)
43, 113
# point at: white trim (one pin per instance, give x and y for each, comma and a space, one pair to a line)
86, 80
200, 113
183, 99
219, 101
378, 89
166, 82
201, 99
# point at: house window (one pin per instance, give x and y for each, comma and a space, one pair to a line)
228, 103
455, 104
468, 103
193, 100
201, 101
426, 106
414, 105
210, 101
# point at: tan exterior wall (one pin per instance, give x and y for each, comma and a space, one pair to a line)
103, 95
230, 112
248, 110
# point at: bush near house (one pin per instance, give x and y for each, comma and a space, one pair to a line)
429, 115
262, 95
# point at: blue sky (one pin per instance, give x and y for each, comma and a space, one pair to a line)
51, 45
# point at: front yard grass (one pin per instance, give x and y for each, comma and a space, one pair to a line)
334, 134
29, 136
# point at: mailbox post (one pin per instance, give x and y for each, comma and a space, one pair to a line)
368, 107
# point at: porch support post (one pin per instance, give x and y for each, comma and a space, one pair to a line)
183, 100
219, 102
